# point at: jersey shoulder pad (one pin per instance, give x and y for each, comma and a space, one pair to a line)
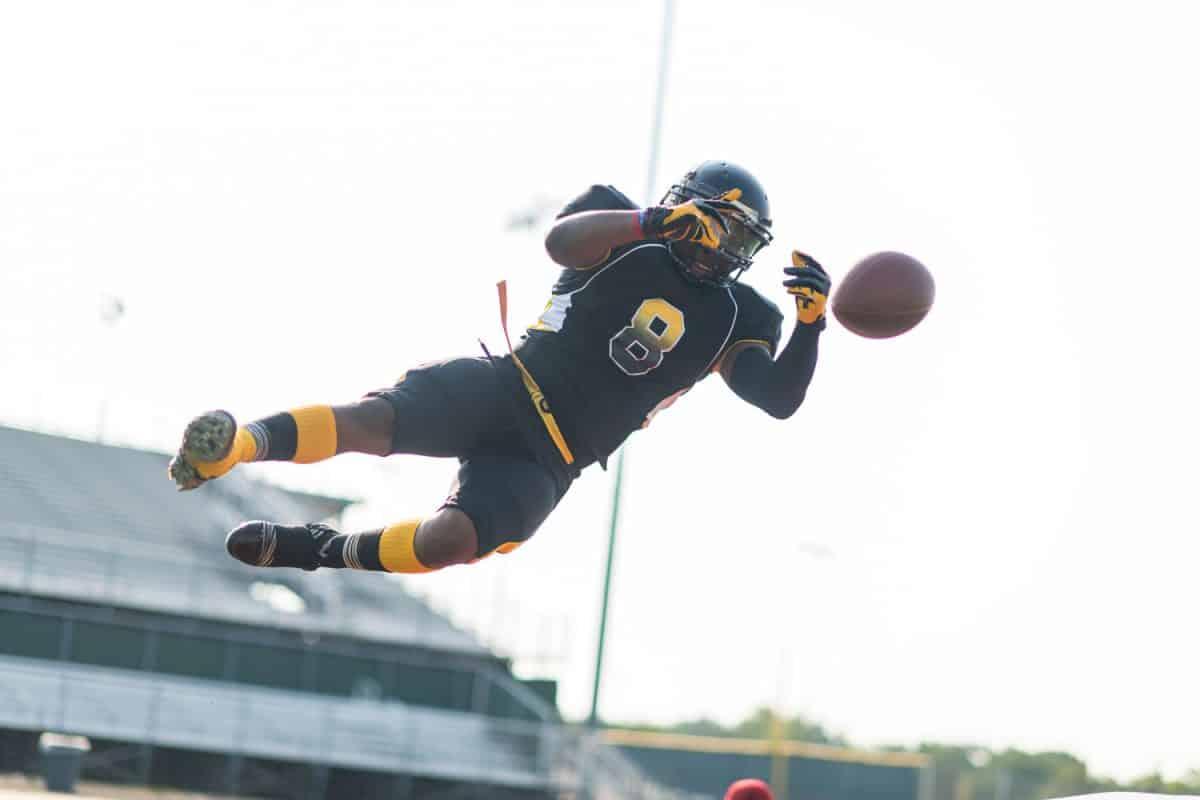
758, 318
598, 198
640, 253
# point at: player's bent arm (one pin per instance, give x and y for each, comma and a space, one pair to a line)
585, 239
776, 386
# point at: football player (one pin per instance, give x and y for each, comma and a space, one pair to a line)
646, 305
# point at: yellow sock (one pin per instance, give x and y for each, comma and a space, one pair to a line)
396, 550
316, 434
244, 449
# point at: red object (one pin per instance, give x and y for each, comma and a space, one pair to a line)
749, 789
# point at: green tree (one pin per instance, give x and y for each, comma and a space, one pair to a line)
756, 726
795, 729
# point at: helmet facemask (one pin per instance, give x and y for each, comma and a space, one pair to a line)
748, 233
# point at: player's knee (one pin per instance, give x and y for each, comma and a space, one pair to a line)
448, 537
365, 426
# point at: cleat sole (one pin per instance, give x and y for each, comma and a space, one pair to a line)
209, 437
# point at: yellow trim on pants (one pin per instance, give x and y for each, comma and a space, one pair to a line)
543, 411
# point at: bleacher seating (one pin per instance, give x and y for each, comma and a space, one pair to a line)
93, 532
264, 723
90, 521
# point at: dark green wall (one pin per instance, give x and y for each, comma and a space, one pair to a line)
329, 665
808, 779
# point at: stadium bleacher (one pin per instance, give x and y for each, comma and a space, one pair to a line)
123, 619
84, 519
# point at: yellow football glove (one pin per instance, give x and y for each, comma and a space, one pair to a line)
699, 221
809, 284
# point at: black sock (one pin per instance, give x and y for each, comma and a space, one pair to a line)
355, 551
274, 437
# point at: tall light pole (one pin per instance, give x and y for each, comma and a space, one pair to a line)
615, 510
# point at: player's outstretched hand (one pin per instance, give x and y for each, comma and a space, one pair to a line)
699, 221
809, 283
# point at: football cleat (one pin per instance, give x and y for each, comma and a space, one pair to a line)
267, 544
207, 439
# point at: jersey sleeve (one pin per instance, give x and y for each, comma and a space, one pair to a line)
598, 198
758, 320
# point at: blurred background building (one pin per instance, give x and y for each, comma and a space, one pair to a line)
796, 769
122, 619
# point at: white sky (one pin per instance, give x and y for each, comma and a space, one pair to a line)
296, 201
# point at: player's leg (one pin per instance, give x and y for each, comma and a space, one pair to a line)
213, 443
440, 409
497, 503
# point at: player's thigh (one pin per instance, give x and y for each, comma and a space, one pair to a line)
447, 408
506, 497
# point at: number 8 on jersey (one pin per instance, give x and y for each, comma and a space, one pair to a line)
655, 328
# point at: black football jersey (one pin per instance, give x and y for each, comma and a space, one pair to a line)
624, 338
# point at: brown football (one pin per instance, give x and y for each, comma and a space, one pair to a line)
884, 295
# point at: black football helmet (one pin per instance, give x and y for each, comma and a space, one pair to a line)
749, 219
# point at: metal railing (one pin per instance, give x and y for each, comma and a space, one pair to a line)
263, 723
290, 726
162, 710
162, 577
605, 773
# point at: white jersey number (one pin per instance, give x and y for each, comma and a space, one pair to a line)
655, 328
